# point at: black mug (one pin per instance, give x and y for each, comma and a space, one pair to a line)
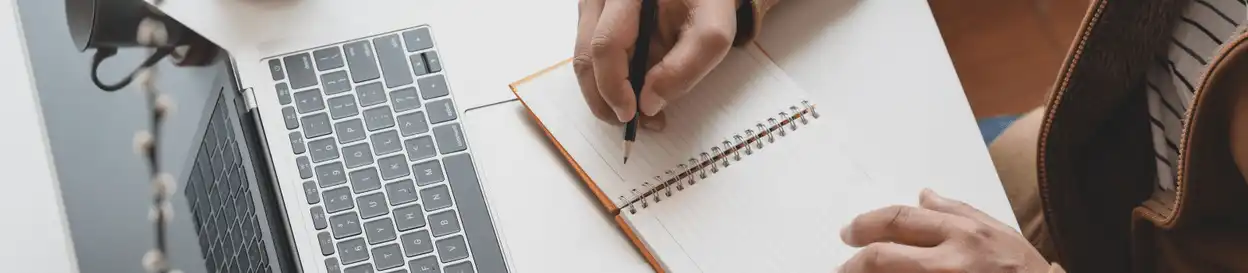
107, 25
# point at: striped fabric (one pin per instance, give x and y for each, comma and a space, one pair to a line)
1172, 81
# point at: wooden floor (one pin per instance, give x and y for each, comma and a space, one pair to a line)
1007, 52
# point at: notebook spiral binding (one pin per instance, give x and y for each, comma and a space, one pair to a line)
719, 156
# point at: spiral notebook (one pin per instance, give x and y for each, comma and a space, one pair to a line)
748, 175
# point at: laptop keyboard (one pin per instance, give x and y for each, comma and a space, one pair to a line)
221, 203
388, 179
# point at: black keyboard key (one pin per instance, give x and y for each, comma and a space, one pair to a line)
441, 111
361, 61
416, 243
478, 227
350, 130
345, 225
393, 61
450, 138
435, 198
316, 125
343, 107
331, 174
433, 87
428, 172
420, 148
276, 71
452, 249
353, 251
364, 180
409, 217
328, 58
371, 93
378, 118
309, 101
386, 142
402, 192
299, 67
387, 257
379, 231
411, 124
443, 223
418, 39
357, 155
283, 93
338, 199
405, 99
372, 205
433, 61
393, 167
323, 149
418, 65
292, 118
335, 82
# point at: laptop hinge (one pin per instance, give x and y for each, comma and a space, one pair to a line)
249, 99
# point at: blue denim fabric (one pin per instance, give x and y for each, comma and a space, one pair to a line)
992, 127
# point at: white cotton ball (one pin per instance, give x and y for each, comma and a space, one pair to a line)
154, 261
142, 142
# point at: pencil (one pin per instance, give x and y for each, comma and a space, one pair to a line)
637, 69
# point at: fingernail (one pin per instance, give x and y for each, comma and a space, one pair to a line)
624, 114
654, 124
846, 234
651, 103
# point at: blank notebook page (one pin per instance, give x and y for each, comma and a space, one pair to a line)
744, 90
778, 210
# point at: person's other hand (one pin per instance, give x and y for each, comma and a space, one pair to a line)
942, 235
691, 38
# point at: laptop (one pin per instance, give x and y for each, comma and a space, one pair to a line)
352, 160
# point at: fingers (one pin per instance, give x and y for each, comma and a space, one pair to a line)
613, 36
583, 61
899, 224
697, 51
887, 257
928, 199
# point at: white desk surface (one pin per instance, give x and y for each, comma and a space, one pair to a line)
913, 124
39, 241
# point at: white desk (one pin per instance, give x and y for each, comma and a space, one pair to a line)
39, 242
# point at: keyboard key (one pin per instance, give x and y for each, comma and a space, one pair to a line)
305, 167
388, 256
352, 251
331, 174
464, 267
318, 217
316, 125
363, 268
416, 243
440, 111
326, 242
296, 143
323, 149
393, 61
409, 217
345, 225
418, 64
361, 61
350, 130
364, 180
393, 167
299, 67
338, 199
331, 265
433, 61
435, 198
428, 264
386, 142
371, 93
378, 118
420, 148
372, 205
401, 192
357, 155
418, 39
450, 138
276, 70
342, 107
311, 192
433, 87
283, 93
452, 249
405, 99
428, 172
442, 223
411, 124
470, 202
328, 58
379, 231
292, 119
335, 82
309, 101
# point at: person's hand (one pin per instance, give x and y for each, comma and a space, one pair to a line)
942, 235
691, 38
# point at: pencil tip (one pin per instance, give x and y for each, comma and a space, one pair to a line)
626, 160
628, 149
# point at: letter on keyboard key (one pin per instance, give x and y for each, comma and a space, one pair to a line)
318, 217
328, 58
428, 172
411, 124
316, 125
401, 192
372, 205
352, 251
363, 268
440, 111
387, 257
357, 155
292, 119
420, 148
335, 82
304, 166
393, 167
350, 130
452, 249
379, 231
433, 87
326, 242
364, 180
428, 264
345, 225
443, 223
312, 193
386, 142
450, 138
342, 107
409, 217
478, 227
360, 60
323, 149
393, 61
299, 67
416, 243
435, 198
464, 267
331, 174
338, 199
276, 70
283, 93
